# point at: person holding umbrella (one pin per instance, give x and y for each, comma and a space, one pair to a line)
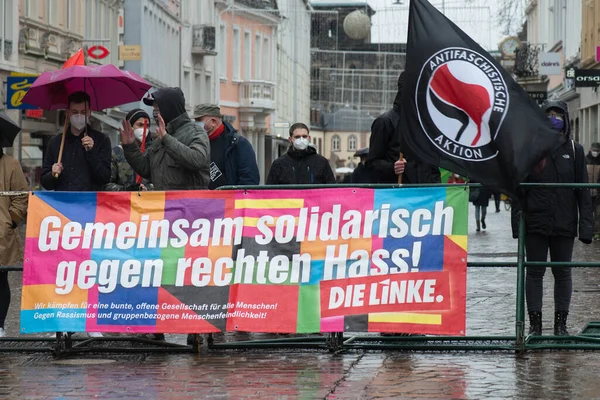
86, 153
12, 211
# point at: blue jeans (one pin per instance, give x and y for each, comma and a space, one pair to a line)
480, 211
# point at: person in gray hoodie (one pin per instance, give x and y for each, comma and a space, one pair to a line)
179, 156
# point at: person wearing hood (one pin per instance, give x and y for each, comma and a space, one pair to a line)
85, 164
122, 176
361, 173
233, 161
301, 164
553, 218
385, 146
593, 170
179, 156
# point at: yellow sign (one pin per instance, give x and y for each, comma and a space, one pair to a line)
17, 87
130, 52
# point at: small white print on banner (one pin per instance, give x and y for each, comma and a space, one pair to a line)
215, 172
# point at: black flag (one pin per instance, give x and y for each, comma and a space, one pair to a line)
462, 111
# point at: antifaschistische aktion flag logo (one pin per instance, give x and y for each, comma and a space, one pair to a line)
462, 111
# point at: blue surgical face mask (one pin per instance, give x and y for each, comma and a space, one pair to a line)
557, 123
200, 124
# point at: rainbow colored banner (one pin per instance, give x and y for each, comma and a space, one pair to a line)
286, 261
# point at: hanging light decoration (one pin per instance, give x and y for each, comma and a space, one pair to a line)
357, 25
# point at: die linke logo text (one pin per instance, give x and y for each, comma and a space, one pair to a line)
421, 291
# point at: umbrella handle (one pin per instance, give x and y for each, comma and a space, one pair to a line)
62, 144
400, 175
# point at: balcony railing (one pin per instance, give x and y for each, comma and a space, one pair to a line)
257, 94
526, 60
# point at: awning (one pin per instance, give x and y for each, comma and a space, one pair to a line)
105, 119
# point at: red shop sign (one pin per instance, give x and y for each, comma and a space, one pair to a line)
98, 52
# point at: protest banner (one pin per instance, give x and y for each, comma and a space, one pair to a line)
286, 261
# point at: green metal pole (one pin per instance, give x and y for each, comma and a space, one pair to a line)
520, 323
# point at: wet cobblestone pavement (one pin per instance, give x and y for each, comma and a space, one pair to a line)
292, 374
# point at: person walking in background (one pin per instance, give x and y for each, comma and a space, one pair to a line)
179, 156
480, 197
593, 171
301, 164
233, 161
361, 173
497, 197
122, 176
12, 211
553, 218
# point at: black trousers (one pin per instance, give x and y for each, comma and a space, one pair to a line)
561, 249
497, 196
4, 297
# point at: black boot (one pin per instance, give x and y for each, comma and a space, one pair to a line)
478, 226
483, 225
535, 323
560, 323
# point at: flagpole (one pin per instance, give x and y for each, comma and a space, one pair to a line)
400, 175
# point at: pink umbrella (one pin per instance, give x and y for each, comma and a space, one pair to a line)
107, 86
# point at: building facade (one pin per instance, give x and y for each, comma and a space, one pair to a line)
39, 36
293, 73
199, 52
557, 26
156, 26
588, 118
247, 71
352, 79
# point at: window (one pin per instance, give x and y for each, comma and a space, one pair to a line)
186, 86
257, 54
236, 54
352, 143
207, 89
267, 60
198, 90
247, 56
222, 52
51, 12
31, 9
335, 143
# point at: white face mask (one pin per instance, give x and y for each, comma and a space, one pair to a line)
301, 143
595, 153
139, 134
78, 121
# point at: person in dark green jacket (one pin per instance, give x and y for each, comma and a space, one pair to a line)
179, 156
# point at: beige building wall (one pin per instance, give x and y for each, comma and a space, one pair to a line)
340, 147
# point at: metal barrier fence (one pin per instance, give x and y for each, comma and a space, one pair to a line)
587, 339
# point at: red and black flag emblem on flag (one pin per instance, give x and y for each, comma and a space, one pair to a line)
462, 111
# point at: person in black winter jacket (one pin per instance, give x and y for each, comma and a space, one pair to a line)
385, 146
233, 161
553, 218
301, 164
85, 164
